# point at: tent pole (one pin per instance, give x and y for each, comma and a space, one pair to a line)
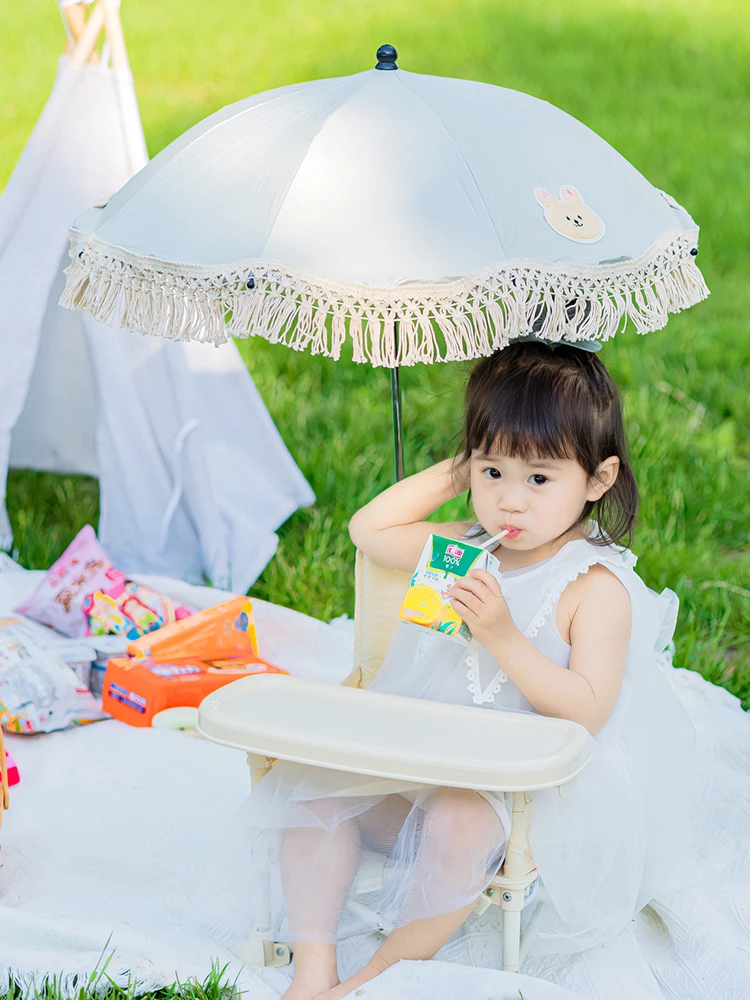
115, 37
398, 430
85, 45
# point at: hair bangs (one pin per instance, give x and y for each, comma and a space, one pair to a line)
522, 420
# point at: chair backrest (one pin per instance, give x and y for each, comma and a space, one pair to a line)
379, 594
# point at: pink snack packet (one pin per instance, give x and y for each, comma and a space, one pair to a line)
129, 609
83, 568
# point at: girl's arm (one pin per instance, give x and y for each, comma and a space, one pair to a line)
599, 637
392, 528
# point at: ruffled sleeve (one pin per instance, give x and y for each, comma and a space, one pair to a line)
575, 559
667, 605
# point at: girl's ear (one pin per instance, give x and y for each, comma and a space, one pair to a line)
604, 478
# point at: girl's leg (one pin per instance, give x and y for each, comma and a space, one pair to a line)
461, 833
382, 824
317, 870
318, 867
461, 846
315, 971
421, 939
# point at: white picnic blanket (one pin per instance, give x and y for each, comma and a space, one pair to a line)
110, 826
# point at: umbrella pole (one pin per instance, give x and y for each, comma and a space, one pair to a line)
398, 430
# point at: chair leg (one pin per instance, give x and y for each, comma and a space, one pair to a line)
252, 952
277, 953
271, 954
518, 873
511, 937
259, 766
258, 950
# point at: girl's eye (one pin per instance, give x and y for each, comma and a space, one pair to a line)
492, 473
538, 479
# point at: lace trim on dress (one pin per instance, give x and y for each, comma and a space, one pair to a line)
475, 682
626, 560
623, 559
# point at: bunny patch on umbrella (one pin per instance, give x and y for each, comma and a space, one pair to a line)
570, 216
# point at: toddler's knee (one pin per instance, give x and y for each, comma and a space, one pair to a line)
462, 817
327, 811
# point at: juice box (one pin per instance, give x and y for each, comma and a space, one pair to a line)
442, 562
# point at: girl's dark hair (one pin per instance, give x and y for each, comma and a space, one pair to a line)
532, 401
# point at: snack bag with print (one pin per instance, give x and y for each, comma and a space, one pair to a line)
82, 569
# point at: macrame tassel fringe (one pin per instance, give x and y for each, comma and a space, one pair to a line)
456, 321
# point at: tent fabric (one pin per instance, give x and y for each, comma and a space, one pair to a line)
195, 478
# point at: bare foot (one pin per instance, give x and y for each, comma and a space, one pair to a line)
333, 994
314, 970
370, 971
308, 989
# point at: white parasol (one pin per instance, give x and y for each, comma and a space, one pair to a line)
422, 218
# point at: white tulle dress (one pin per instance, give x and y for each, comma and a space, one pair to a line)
328, 855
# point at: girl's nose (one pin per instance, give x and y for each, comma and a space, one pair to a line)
511, 503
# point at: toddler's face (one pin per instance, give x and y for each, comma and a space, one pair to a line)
538, 499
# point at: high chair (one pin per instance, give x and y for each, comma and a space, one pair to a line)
278, 717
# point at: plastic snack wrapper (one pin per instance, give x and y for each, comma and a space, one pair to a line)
83, 594
135, 690
80, 570
39, 692
442, 562
218, 633
129, 609
180, 664
12, 769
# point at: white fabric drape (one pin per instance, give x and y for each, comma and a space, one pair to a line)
110, 826
194, 476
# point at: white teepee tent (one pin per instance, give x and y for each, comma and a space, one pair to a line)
194, 477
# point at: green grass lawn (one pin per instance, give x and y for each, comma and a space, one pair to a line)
665, 82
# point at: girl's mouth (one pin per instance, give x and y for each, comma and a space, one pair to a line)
512, 533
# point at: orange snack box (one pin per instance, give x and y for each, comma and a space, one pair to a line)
219, 633
135, 690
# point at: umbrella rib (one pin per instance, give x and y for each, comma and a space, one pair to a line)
195, 134
302, 160
402, 81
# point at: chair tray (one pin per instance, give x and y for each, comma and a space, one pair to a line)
366, 732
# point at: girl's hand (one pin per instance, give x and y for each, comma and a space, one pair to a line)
461, 475
392, 528
478, 599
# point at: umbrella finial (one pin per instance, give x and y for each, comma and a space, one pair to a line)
387, 57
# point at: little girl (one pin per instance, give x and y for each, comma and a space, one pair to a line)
571, 631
